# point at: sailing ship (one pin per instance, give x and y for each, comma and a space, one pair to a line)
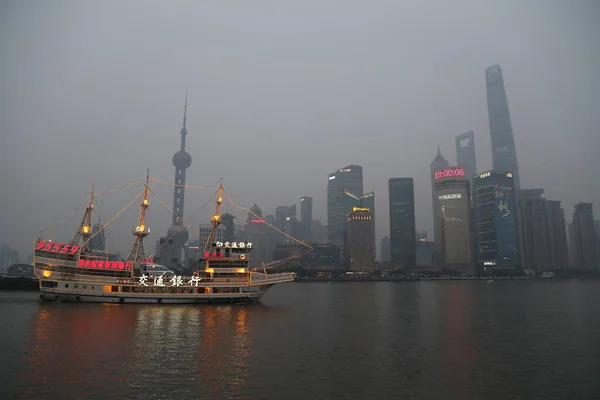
74, 272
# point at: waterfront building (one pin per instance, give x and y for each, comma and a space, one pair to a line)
306, 212
360, 249
587, 255
542, 233
349, 178
453, 215
255, 231
403, 246
385, 249
496, 236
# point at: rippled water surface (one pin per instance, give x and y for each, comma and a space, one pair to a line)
384, 340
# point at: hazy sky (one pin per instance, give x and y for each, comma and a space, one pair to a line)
280, 94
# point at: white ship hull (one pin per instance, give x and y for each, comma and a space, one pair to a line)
229, 298
86, 289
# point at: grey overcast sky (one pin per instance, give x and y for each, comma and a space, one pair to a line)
280, 94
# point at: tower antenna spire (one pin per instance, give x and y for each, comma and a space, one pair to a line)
185, 110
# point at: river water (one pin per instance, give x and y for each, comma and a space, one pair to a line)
374, 340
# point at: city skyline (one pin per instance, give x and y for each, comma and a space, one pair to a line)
361, 104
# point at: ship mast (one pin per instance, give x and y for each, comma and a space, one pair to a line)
216, 218
85, 227
141, 230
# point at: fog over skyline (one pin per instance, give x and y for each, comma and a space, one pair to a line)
281, 94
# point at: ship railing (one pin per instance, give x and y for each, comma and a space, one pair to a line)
258, 278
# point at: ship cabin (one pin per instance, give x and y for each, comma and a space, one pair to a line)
227, 260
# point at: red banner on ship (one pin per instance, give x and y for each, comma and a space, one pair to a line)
106, 265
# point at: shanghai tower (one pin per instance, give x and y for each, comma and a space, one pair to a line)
504, 154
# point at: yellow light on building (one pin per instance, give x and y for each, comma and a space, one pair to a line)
85, 229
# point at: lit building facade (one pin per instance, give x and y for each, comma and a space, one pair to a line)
360, 251
495, 217
349, 178
403, 241
454, 219
504, 153
364, 201
465, 154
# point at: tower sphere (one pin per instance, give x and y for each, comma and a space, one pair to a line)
182, 159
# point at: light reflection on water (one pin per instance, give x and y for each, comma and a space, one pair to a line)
457, 340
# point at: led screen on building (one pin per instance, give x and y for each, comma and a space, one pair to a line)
505, 217
453, 212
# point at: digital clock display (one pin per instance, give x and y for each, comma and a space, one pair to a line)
448, 173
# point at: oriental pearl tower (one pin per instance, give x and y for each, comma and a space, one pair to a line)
177, 232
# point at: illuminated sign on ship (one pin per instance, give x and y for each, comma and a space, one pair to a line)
105, 265
234, 245
448, 173
52, 247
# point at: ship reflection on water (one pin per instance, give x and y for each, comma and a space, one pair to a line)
166, 351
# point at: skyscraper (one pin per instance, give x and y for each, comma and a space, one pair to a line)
533, 230
98, 240
366, 201
465, 154
348, 178
495, 221
586, 250
504, 154
386, 249
557, 235
228, 227
284, 219
204, 231
454, 215
306, 207
542, 232
255, 231
360, 252
403, 246
438, 164
178, 235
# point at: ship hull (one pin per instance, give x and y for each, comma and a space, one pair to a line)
217, 291
231, 298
